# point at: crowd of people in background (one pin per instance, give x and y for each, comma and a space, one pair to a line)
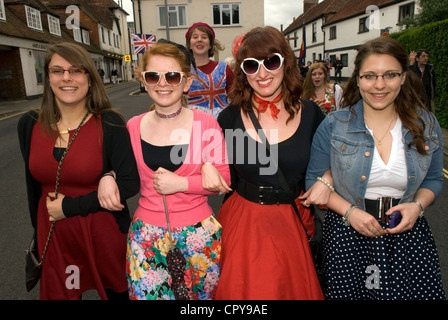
364, 152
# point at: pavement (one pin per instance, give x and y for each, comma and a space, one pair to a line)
12, 108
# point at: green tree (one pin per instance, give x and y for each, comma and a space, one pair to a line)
430, 11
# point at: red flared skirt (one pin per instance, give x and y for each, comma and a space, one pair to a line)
265, 253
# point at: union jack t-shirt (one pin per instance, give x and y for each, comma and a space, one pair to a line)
208, 91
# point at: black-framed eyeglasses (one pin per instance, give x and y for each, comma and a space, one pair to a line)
388, 76
251, 66
172, 78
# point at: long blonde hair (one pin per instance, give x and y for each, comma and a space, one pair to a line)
308, 86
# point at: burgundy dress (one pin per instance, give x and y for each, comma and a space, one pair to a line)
90, 246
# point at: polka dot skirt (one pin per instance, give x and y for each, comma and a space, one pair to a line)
402, 267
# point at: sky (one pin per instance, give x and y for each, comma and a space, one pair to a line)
276, 12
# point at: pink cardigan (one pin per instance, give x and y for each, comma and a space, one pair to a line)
190, 207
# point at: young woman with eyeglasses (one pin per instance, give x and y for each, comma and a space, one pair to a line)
265, 251
171, 143
386, 158
86, 237
212, 79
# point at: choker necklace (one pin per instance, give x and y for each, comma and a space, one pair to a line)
168, 116
264, 104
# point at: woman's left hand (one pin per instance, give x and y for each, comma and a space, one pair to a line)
167, 182
54, 206
409, 214
318, 194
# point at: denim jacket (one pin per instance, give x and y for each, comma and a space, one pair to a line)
343, 143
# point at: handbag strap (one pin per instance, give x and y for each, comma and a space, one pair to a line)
168, 222
57, 183
280, 175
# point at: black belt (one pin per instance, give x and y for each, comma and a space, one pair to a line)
379, 207
266, 195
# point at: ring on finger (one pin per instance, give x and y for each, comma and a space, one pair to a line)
306, 204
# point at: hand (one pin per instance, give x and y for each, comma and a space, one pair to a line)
412, 56
409, 214
366, 224
167, 182
212, 180
109, 194
319, 102
317, 194
54, 207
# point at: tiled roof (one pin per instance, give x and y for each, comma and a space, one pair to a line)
335, 10
16, 26
357, 7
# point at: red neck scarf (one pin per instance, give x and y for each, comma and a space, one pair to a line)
263, 105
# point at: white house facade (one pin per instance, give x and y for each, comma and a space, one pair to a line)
339, 27
229, 19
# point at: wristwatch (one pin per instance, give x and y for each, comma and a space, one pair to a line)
421, 208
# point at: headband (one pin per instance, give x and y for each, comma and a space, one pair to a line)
199, 24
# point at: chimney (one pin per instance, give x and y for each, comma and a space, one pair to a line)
308, 4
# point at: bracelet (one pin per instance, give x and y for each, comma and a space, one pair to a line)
346, 218
110, 174
326, 183
421, 208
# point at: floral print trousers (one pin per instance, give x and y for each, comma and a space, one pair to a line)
146, 266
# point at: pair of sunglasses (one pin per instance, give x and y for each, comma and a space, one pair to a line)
251, 66
172, 78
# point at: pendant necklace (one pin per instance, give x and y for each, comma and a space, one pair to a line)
168, 116
381, 140
68, 129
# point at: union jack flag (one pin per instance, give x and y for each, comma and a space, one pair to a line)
142, 42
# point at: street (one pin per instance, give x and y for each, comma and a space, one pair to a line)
16, 230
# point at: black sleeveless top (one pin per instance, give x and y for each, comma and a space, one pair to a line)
247, 156
161, 156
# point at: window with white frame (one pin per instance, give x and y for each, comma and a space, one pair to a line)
85, 36
77, 35
406, 11
177, 16
33, 18
2, 11
332, 32
226, 14
363, 27
314, 32
54, 25
102, 35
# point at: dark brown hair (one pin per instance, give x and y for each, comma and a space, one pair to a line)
260, 43
96, 100
215, 45
409, 101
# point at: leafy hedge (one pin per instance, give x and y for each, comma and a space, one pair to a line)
433, 37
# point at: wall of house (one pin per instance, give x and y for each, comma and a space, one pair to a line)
12, 85
349, 38
251, 15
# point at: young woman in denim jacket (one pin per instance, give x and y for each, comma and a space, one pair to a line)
383, 143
